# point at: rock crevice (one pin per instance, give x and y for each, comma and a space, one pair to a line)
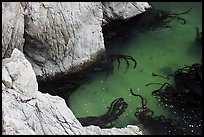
64, 36
25, 110
43, 40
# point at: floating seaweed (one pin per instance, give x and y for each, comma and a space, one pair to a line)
185, 97
150, 19
116, 109
106, 63
156, 125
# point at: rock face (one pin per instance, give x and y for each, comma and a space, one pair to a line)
12, 27
67, 36
26, 111
123, 10
60, 38
64, 36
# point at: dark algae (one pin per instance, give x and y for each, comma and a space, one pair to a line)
151, 73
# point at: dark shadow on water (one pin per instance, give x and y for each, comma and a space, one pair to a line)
166, 70
195, 50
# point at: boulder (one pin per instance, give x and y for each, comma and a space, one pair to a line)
67, 36
12, 27
64, 36
123, 10
27, 111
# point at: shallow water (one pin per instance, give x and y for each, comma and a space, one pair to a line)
161, 51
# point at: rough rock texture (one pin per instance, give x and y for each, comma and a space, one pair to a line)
67, 36
26, 111
12, 27
123, 10
62, 36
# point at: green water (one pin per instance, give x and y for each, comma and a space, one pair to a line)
161, 51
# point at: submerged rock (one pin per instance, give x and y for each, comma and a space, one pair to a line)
25, 110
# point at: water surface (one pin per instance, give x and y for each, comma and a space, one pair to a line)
161, 51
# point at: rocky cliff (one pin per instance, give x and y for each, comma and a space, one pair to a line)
25, 110
12, 27
64, 36
52, 38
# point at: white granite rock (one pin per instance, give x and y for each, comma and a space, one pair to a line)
12, 27
67, 36
6, 79
63, 36
123, 10
19, 73
36, 113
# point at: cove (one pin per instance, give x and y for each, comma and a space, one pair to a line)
161, 51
